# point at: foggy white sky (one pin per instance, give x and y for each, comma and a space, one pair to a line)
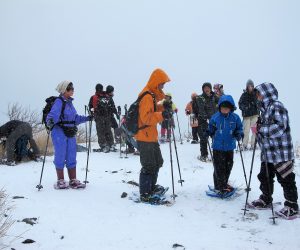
121, 42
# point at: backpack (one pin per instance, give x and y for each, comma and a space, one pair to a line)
49, 103
132, 116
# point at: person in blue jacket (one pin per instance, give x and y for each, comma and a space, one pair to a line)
225, 128
62, 121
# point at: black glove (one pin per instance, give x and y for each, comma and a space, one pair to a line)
188, 112
167, 115
167, 105
90, 117
50, 124
118, 116
238, 136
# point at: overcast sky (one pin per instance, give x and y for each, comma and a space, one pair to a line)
122, 42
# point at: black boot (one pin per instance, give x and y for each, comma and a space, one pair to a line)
145, 184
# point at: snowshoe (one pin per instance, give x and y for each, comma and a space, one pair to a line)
259, 204
61, 184
76, 184
203, 158
113, 148
160, 190
136, 153
222, 195
194, 142
98, 150
288, 213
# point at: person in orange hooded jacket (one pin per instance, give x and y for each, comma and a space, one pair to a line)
150, 114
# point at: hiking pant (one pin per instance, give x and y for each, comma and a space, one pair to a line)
195, 131
249, 122
288, 184
65, 149
223, 162
151, 160
23, 129
104, 133
203, 125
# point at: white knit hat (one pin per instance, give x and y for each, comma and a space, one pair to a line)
61, 87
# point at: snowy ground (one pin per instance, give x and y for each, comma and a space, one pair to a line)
98, 218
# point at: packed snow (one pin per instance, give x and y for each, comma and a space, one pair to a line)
98, 218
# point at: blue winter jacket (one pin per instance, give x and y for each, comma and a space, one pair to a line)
70, 114
224, 129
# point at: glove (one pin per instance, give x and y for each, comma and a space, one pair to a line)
167, 105
90, 117
238, 136
207, 134
187, 112
118, 116
176, 110
50, 124
167, 115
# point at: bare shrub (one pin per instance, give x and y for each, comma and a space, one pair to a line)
5, 219
16, 111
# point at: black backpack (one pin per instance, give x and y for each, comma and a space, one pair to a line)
49, 103
132, 116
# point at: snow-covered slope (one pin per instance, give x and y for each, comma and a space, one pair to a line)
98, 218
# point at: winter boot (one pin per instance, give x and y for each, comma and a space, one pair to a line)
145, 184
10, 163
76, 184
61, 184
106, 149
259, 204
113, 148
288, 213
194, 142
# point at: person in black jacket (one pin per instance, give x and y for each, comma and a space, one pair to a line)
207, 104
105, 110
17, 132
249, 106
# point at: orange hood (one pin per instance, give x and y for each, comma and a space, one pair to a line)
157, 77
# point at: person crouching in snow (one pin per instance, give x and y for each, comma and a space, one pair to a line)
63, 131
167, 125
150, 114
225, 127
277, 154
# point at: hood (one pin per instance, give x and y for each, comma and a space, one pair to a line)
227, 98
268, 91
157, 77
206, 84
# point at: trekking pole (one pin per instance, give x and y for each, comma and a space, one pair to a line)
188, 137
126, 146
179, 128
120, 130
242, 159
171, 161
88, 152
180, 180
40, 186
248, 189
86, 135
269, 187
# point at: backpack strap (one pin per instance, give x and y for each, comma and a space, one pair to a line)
62, 113
154, 103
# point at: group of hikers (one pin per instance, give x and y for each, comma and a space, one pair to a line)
212, 115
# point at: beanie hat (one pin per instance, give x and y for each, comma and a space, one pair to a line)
62, 87
109, 89
99, 87
250, 83
206, 84
193, 95
168, 94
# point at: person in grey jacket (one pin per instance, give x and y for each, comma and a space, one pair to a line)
12, 131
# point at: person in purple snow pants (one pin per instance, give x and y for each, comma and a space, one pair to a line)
62, 121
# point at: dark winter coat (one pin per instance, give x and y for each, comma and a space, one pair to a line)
224, 129
274, 134
248, 104
207, 106
105, 106
9, 127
